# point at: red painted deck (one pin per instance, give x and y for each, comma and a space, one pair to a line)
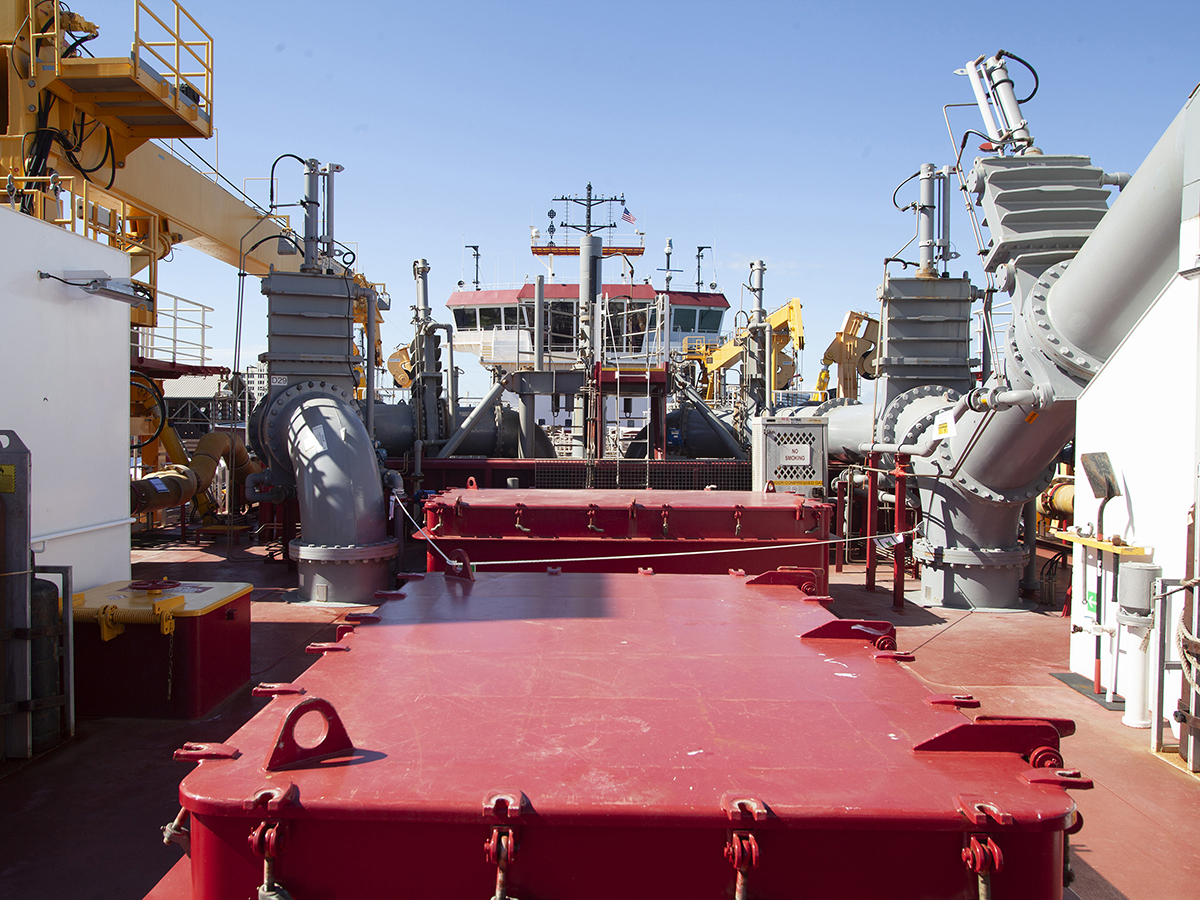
115, 784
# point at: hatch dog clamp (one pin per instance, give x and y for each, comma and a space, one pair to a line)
500, 850
266, 841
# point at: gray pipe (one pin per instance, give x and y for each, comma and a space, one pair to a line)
1129, 258
452, 381
312, 208
369, 362
421, 275
330, 171
539, 317
345, 554
926, 208
525, 410
484, 407
726, 436
1069, 324
757, 268
337, 475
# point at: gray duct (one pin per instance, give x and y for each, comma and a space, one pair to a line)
395, 432
1072, 315
314, 435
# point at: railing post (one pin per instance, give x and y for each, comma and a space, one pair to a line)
839, 553
872, 515
900, 525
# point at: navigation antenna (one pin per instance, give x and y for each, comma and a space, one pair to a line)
474, 248
699, 256
587, 203
668, 269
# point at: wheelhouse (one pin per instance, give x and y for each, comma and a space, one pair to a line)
632, 322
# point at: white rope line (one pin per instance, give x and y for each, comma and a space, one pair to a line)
454, 564
569, 559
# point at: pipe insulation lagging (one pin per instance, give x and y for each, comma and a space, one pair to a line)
176, 485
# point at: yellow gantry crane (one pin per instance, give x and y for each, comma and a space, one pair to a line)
76, 149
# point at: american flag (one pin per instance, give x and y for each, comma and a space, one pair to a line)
627, 216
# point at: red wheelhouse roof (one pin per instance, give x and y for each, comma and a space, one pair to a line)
512, 296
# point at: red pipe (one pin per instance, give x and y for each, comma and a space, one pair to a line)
872, 515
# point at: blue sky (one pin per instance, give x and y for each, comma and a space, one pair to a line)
772, 130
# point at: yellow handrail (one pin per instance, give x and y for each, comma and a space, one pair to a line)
199, 81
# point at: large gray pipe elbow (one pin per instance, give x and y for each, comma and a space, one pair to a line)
345, 554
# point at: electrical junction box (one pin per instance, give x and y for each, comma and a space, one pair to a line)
790, 452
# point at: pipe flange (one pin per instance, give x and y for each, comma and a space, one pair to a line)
835, 403
969, 485
274, 414
353, 553
1133, 620
1050, 341
891, 415
989, 558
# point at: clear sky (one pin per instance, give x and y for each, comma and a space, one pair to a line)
768, 130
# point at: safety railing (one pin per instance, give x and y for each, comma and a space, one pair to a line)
72, 203
181, 335
188, 60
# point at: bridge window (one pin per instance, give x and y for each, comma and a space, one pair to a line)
489, 317
683, 320
709, 321
464, 318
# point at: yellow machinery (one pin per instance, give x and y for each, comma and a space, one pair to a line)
854, 350
76, 148
787, 332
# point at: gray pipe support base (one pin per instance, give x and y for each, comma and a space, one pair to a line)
970, 579
344, 574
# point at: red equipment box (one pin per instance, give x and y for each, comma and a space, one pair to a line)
622, 531
172, 651
590, 736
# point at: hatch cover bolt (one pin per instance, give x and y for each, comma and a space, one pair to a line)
266, 841
1046, 758
500, 850
742, 853
982, 857
177, 832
